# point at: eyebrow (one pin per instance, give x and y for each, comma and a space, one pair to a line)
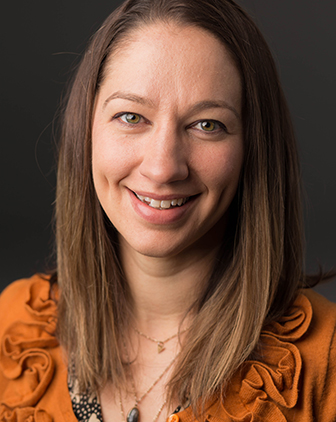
202, 105
130, 97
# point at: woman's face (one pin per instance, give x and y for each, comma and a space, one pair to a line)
167, 139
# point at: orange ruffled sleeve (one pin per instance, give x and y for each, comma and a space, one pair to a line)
263, 387
31, 363
294, 378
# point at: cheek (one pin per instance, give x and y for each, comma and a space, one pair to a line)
112, 159
221, 167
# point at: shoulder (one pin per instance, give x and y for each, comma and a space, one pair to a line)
23, 298
310, 321
317, 345
320, 336
293, 376
318, 352
303, 341
33, 375
324, 311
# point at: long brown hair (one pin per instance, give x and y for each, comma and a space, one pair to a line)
259, 268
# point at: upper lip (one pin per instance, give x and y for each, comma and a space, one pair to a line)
167, 197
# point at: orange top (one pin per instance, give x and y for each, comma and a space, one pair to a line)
295, 381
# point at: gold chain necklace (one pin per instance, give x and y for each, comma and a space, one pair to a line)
160, 343
133, 414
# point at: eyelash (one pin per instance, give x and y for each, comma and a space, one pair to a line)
125, 113
220, 125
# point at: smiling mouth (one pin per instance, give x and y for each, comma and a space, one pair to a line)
165, 204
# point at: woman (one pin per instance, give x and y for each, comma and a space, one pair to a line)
179, 238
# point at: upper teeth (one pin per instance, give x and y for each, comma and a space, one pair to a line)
164, 204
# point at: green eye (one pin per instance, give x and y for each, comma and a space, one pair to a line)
208, 125
131, 118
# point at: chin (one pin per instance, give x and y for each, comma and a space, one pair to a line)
154, 249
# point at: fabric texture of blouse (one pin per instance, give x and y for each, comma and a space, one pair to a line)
294, 381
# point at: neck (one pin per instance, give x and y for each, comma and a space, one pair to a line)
164, 289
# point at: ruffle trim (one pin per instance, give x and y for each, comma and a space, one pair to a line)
259, 391
262, 389
24, 357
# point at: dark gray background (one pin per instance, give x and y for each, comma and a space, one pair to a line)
40, 40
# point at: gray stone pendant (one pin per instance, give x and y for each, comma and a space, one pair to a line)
133, 415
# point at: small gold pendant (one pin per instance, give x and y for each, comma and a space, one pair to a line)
160, 346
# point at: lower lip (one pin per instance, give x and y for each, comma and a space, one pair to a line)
156, 216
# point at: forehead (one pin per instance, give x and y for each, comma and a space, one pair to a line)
166, 58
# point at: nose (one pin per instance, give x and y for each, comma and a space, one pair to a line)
164, 157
